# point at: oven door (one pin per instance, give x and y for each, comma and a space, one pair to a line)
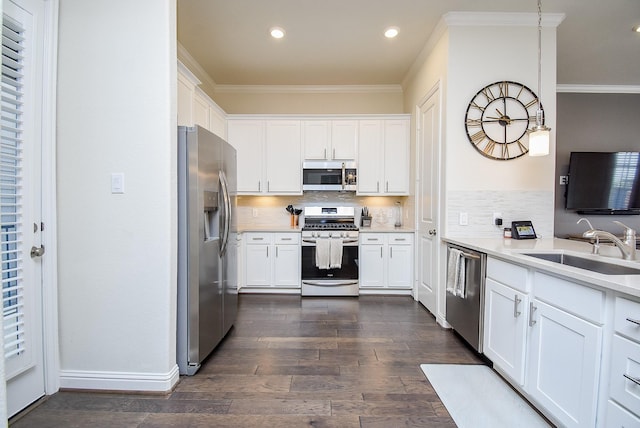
347, 273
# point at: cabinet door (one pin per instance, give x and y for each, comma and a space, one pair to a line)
286, 266
564, 357
185, 94
316, 138
258, 266
396, 157
200, 110
371, 271
505, 328
344, 139
247, 137
283, 157
400, 266
370, 163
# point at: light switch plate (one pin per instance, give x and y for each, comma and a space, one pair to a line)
463, 219
117, 182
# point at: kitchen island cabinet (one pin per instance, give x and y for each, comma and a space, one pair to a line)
544, 334
505, 317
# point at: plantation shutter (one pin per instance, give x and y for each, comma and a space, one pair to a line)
11, 189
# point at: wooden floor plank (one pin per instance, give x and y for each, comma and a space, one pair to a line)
291, 361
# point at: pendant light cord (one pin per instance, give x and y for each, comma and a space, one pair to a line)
539, 113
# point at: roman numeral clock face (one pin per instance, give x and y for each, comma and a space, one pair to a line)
498, 117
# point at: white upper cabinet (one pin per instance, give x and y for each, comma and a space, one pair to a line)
269, 156
283, 157
195, 107
247, 137
383, 157
330, 139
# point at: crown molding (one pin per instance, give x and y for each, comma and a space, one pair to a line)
193, 66
598, 89
501, 19
307, 89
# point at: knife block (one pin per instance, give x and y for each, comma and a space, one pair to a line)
365, 221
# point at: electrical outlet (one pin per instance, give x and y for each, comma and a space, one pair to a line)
564, 180
497, 216
463, 219
255, 213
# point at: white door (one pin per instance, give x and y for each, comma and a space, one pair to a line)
22, 83
427, 195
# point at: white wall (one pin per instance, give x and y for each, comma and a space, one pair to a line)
117, 252
521, 188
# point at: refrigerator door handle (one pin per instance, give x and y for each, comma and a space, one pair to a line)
224, 232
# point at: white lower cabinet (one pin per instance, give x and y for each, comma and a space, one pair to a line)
544, 333
623, 409
272, 260
505, 328
564, 364
386, 260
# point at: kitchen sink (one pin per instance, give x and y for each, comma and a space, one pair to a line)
584, 263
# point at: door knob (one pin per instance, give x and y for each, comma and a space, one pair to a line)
37, 252
432, 232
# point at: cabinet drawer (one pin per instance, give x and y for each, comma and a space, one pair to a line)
578, 299
507, 273
627, 318
625, 360
401, 238
258, 238
617, 417
372, 238
287, 238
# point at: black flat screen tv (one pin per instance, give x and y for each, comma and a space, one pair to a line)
604, 183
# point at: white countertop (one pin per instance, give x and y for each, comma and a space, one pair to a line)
242, 228
386, 229
512, 250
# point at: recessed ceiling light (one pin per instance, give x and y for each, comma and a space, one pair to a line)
391, 32
636, 28
277, 32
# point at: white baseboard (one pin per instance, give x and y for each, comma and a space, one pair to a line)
268, 290
120, 381
385, 292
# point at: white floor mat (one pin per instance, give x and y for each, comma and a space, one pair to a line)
476, 397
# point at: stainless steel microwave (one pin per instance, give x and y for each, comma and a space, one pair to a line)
331, 175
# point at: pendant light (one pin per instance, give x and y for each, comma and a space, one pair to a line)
539, 134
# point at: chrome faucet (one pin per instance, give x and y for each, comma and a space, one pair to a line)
595, 249
627, 248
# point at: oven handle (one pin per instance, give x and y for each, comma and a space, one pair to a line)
329, 283
345, 241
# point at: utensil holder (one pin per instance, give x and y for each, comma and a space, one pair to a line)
365, 221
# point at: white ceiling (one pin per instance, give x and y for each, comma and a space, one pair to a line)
340, 42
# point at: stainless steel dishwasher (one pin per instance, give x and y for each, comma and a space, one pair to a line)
465, 311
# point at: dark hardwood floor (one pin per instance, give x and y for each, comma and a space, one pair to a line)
292, 362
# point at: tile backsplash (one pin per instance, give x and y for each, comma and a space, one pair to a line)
270, 210
536, 206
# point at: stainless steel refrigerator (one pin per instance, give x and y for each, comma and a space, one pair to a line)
207, 244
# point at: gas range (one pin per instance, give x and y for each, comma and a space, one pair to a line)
330, 222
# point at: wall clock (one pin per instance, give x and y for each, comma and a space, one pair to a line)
498, 117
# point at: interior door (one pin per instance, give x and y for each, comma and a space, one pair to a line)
21, 192
427, 195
